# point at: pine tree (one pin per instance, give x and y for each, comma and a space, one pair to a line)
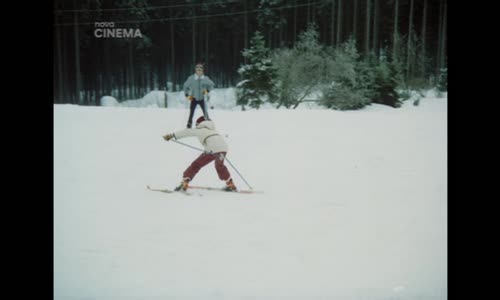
258, 76
385, 83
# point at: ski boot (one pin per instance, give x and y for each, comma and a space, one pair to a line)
230, 187
183, 186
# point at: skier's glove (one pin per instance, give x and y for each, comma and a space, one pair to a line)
168, 137
190, 98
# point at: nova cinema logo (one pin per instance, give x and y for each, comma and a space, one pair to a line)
108, 30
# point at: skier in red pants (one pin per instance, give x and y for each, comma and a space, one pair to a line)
215, 149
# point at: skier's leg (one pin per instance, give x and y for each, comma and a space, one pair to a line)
221, 169
196, 165
223, 172
192, 108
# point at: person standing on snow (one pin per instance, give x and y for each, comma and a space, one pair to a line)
196, 88
215, 149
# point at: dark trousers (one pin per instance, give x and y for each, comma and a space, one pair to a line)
205, 159
192, 108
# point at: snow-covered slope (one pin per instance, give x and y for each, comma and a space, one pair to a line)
354, 205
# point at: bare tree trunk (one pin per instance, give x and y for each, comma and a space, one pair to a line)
120, 84
395, 34
285, 29
235, 58
376, 18
313, 14
409, 43
163, 68
77, 59
440, 32
206, 41
333, 24
172, 56
124, 83
144, 79
442, 56
100, 85
280, 37
140, 84
424, 38
151, 78
339, 20
245, 29
308, 11
107, 71
355, 21
194, 37
160, 80
93, 89
367, 31
131, 82
67, 86
147, 80
138, 88
60, 78
295, 23
144, 82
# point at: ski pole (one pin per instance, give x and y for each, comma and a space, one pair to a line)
238, 173
213, 154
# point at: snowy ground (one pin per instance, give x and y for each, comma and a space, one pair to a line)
354, 205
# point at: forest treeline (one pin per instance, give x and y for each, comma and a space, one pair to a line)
174, 35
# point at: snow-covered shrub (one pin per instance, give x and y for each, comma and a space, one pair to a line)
343, 98
300, 69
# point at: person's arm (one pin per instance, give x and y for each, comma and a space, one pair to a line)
184, 133
187, 86
180, 134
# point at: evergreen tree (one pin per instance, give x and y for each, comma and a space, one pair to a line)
385, 85
383, 89
258, 76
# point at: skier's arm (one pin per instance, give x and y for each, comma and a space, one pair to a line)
180, 134
184, 133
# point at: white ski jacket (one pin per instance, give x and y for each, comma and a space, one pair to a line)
211, 140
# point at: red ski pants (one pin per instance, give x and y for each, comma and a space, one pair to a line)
205, 159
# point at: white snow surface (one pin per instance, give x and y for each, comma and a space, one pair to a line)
354, 204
